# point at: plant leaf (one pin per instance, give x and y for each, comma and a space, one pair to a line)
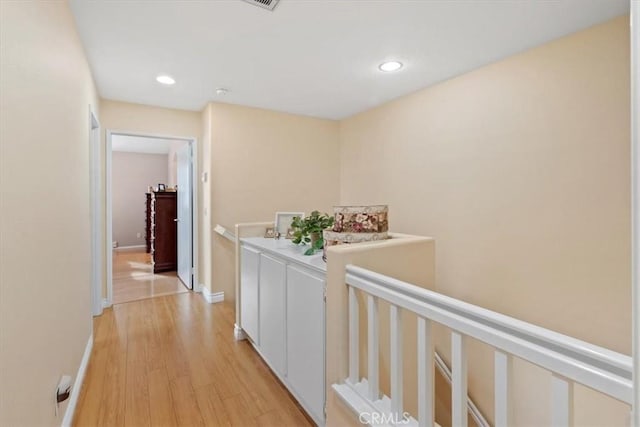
318, 243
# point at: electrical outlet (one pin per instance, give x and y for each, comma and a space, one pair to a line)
63, 391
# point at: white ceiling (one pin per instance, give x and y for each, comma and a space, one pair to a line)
142, 144
310, 57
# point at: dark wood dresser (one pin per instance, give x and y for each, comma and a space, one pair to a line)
164, 231
147, 223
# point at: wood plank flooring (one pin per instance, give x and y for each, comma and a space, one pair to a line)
172, 361
133, 277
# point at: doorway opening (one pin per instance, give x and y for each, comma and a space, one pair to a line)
151, 216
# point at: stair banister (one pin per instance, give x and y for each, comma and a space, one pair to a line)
570, 360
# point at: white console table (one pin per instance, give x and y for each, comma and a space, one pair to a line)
282, 311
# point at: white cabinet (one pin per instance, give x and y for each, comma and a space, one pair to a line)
283, 312
305, 337
249, 309
272, 313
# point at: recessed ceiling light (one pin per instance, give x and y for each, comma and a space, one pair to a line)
165, 79
390, 66
222, 91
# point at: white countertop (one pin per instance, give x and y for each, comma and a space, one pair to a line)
284, 248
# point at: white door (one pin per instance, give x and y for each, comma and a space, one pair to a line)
185, 229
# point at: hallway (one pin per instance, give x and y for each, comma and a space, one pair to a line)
134, 279
172, 360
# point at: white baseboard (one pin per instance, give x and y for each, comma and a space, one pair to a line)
238, 333
77, 385
198, 287
121, 248
212, 297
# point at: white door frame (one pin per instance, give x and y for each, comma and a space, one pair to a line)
635, 205
108, 200
96, 212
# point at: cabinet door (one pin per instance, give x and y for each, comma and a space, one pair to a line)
272, 314
249, 292
305, 337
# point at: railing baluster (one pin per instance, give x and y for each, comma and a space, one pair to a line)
373, 348
561, 401
502, 383
459, 379
395, 333
426, 391
354, 337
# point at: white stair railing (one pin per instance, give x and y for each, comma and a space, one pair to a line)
568, 359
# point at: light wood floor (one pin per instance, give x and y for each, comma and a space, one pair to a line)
133, 277
172, 361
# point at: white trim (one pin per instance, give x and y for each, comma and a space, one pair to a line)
119, 248
108, 219
238, 333
195, 183
96, 211
224, 233
596, 367
67, 421
635, 205
109, 211
355, 397
212, 297
105, 303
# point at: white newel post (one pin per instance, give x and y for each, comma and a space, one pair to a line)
635, 203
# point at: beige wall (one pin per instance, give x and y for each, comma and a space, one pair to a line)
262, 162
172, 162
131, 176
520, 171
45, 319
144, 119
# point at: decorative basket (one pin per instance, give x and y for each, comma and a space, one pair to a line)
357, 224
361, 219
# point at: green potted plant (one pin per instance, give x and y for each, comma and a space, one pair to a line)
308, 230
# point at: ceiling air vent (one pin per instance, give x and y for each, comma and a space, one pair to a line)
265, 4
